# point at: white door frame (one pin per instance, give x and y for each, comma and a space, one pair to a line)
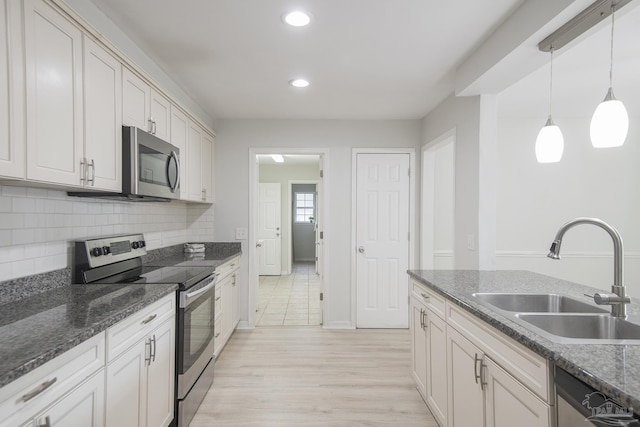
427, 231
290, 217
252, 297
412, 213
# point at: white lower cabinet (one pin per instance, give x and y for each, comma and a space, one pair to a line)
66, 391
226, 300
140, 380
472, 375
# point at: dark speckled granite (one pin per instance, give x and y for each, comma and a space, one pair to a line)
44, 315
36, 329
610, 368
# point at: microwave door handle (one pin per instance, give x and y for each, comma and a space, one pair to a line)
174, 156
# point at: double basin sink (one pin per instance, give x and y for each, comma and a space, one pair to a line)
563, 319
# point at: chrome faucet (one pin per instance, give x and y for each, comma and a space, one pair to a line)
617, 299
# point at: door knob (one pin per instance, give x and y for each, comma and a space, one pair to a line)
361, 249
259, 244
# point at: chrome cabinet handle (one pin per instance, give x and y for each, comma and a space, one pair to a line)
45, 423
83, 171
152, 126
39, 389
424, 322
483, 381
234, 280
153, 354
92, 165
421, 319
149, 319
147, 359
476, 359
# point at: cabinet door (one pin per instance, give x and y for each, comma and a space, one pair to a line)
160, 116
82, 407
466, 398
235, 295
436, 387
11, 137
418, 346
227, 311
160, 376
53, 54
179, 137
103, 117
509, 403
207, 167
194, 161
136, 96
126, 395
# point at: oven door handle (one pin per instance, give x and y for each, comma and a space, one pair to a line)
185, 297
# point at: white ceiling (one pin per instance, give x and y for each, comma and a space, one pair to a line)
581, 74
366, 59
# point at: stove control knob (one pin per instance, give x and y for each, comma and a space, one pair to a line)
96, 252
106, 250
142, 243
135, 245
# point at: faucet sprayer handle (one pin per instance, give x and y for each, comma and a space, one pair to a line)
610, 299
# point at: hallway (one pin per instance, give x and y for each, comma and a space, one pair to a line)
292, 300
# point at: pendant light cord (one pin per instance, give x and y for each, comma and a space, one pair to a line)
613, 22
550, 80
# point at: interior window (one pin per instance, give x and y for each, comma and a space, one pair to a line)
305, 207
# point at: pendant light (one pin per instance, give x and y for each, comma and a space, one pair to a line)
550, 142
610, 121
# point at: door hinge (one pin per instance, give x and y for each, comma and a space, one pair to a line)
322, 234
409, 172
321, 173
321, 296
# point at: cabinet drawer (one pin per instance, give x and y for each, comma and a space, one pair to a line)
526, 366
431, 299
228, 267
126, 333
218, 300
33, 392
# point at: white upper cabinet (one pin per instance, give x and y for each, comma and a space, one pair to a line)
207, 167
102, 118
194, 163
145, 108
54, 95
179, 136
11, 99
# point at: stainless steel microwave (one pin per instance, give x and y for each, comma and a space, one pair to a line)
150, 169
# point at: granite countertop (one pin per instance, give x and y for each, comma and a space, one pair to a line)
610, 368
44, 315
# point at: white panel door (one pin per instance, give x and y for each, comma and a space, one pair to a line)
54, 95
103, 117
382, 240
269, 229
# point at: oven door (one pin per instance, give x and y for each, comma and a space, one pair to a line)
154, 165
194, 332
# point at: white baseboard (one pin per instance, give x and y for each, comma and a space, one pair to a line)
338, 325
243, 324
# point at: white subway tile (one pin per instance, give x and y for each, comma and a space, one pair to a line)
23, 236
5, 239
64, 207
23, 204
80, 207
34, 251
36, 192
23, 268
9, 190
5, 271
5, 204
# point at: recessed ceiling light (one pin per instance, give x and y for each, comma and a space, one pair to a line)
299, 83
297, 18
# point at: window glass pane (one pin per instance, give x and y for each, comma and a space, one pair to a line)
304, 206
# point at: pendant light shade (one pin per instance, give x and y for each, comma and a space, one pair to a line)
610, 121
550, 142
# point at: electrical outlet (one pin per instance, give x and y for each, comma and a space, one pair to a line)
242, 234
471, 242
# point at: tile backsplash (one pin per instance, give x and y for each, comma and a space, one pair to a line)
38, 226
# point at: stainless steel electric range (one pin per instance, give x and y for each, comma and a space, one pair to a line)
118, 260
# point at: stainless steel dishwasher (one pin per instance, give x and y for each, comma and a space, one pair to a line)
579, 405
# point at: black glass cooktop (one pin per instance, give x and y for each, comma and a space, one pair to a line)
185, 277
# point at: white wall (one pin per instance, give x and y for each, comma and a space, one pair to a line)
443, 214
534, 200
38, 226
282, 174
235, 137
463, 115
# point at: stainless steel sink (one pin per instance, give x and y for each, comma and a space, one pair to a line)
537, 303
600, 327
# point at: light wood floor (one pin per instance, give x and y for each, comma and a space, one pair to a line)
309, 376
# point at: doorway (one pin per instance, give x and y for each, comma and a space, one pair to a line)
383, 218
292, 295
438, 203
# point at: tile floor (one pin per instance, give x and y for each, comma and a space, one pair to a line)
290, 300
